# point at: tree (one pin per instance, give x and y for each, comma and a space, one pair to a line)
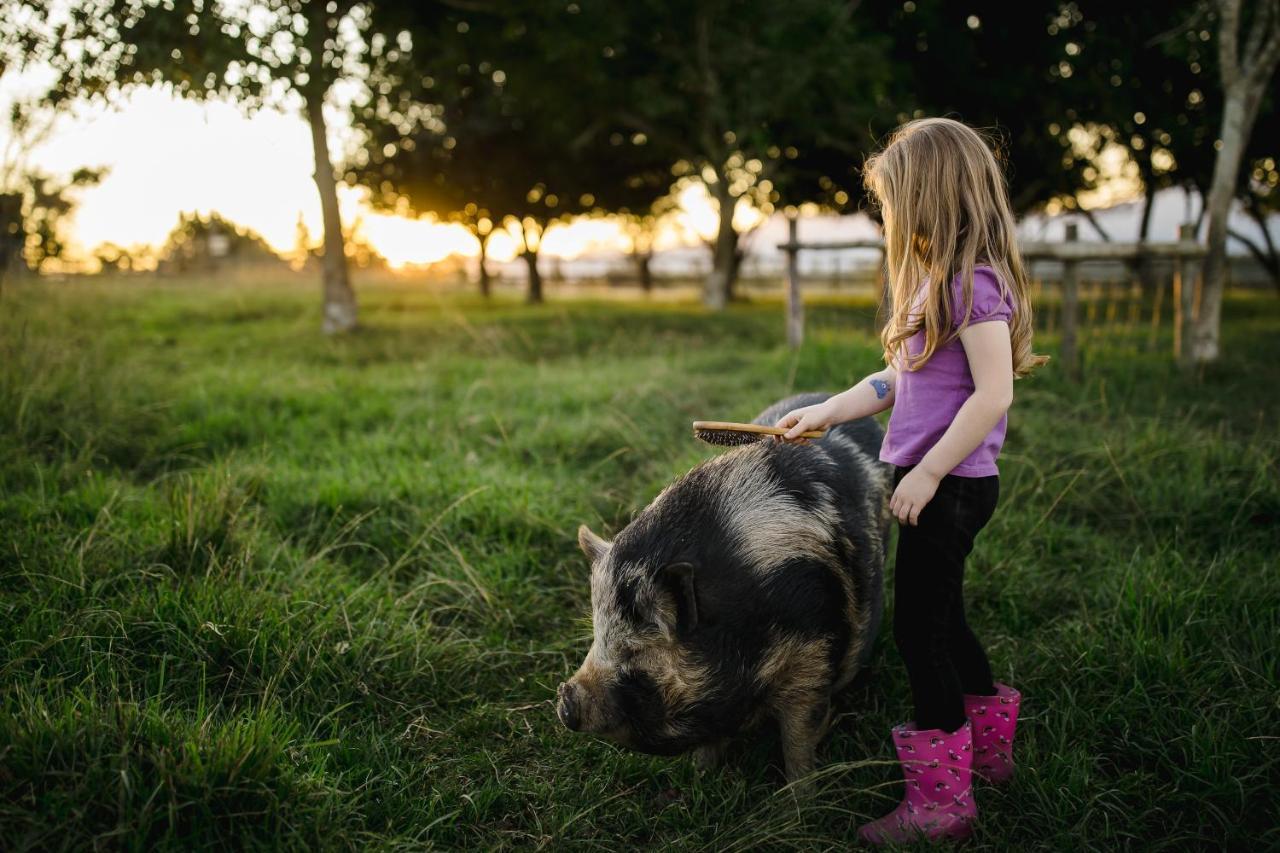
12, 233
114, 257
480, 160
630, 180
1260, 196
1266, 253
1259, 186
304, 246
996, 66
284, 53
640, 224
739, 94
513, 137
49, 200
405, 150
1245, 70
1143, 86
34, 203
203, 242
1136, 77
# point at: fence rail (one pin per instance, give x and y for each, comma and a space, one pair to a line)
1184, 253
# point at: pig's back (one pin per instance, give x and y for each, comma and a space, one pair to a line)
849, 465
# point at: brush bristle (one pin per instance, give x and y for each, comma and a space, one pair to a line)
727, 437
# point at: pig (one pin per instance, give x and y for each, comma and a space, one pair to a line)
750, 588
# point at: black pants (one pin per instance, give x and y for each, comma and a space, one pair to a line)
944, 659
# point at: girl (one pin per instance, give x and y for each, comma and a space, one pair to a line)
958, 334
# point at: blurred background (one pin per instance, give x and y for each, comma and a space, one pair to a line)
325, 323
636, 146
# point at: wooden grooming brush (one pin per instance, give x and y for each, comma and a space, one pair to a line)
729, 434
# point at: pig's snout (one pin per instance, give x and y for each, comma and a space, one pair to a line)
568, 706
586, 702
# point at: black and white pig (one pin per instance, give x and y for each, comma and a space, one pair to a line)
750, 587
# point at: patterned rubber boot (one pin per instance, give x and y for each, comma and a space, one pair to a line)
994, 720
938, 803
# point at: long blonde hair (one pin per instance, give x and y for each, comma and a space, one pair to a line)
946, 209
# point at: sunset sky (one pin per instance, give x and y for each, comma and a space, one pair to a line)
166, 155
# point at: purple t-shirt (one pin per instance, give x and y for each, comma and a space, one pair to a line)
927, 399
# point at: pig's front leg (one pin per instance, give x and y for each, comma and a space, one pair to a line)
710, 756
802, 720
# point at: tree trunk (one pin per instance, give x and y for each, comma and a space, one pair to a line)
12, 234
339, 300
1204, 207
1245, 76
535, 278
1237, 123
795, 305
645, 270
486, 285
1092, 219
735, 268
723, 265
1146, 264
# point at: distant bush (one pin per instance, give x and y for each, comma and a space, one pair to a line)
204, 242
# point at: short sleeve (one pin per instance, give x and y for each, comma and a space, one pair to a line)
988, 303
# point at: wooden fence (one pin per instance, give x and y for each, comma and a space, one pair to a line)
1110, 304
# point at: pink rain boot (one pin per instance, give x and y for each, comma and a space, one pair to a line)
938, 802
994, 719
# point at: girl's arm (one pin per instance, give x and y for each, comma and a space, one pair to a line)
990, 355
873, 394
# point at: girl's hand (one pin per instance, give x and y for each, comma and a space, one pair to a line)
914, 492
797, 421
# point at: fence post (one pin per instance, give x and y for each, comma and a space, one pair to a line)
1070, 305
1183, 298
795, 308
1157, 310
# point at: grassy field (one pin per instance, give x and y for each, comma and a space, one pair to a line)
263, 589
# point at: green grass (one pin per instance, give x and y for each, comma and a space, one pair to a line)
259, 588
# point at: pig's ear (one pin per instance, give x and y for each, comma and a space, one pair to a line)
677, 581
592, 545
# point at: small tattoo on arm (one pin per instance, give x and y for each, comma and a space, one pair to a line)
882, 388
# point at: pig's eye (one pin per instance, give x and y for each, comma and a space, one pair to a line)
619, 656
